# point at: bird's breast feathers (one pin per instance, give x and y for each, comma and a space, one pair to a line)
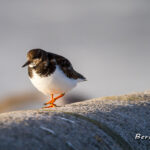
55, 83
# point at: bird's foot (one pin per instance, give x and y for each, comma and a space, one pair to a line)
48, 103
50, 106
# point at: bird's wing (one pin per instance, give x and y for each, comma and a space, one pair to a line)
67, 68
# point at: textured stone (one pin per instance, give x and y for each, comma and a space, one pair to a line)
103, 123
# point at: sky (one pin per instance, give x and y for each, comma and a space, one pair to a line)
106, 41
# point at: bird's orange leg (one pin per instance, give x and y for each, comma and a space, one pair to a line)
51, 102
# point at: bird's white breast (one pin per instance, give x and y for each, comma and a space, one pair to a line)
56, 83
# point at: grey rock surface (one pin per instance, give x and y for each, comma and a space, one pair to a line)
108, 123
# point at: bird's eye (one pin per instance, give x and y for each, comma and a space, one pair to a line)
36, 61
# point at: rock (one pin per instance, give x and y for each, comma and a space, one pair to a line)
108, 123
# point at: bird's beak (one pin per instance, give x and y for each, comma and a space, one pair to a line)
26, 64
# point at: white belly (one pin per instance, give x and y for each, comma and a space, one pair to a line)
56, 83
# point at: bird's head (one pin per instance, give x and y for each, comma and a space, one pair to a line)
35, 57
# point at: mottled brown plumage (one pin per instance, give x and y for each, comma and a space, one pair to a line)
46, 64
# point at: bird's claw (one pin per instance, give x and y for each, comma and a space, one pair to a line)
46, 103
50, 102
50, 106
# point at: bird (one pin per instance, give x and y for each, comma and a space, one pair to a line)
51, 74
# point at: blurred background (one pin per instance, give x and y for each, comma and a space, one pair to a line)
107, 41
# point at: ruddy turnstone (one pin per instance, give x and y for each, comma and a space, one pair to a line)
51, 74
